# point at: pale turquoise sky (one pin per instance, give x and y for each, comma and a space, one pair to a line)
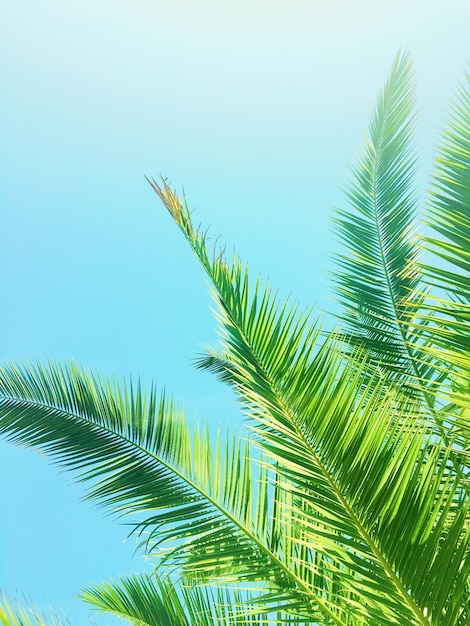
256, 107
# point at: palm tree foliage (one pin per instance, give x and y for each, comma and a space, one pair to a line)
411, 315
347, 502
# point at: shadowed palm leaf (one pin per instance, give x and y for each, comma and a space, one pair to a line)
379, 267
449, 211
446, 314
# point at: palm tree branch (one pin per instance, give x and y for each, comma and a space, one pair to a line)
381, 282
238, 318
137, 447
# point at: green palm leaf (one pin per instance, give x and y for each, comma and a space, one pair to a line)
372, 488
141, 599
449, 211
378, 268
199, 507
416, 337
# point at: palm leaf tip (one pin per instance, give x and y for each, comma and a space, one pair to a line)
172, 202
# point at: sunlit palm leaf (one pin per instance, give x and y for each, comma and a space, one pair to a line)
139, 457
443, 322
141, 599
388, 309
449, 211
374, 489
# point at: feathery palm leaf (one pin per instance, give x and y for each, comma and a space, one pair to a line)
139, 457
141, 599
449, 211
445, 315
379, 267
374, 490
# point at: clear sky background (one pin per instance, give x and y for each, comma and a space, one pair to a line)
256, 107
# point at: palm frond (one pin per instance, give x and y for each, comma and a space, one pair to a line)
447, 310
375, 489
444, 314
141, 599
378, 268
196, 505
381, 283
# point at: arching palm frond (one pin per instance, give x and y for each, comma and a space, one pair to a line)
378, 268
414, 335
373, 490
141, 599
205, 509
449, 211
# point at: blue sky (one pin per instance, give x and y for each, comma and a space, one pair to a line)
256, 108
